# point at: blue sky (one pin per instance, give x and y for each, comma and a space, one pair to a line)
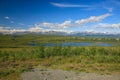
64, 15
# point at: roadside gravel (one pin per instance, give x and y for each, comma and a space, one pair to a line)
53, 74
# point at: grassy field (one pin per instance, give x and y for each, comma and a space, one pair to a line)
16, 56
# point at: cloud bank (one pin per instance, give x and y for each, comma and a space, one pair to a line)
46, 26
65, 24
77, 23
106, 25
92, 19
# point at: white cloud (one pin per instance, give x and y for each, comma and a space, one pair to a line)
65, 24
4, 27
11, 21
106, 25
5, 30
6, 17
36, 28
1, 28
16, 30
61, 27
92, 19
110, 9
21, 23
68, 5
69, 24
109, 5
46, 24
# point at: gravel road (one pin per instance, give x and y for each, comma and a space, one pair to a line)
52, 74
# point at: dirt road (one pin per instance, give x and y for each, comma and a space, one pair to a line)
51, 74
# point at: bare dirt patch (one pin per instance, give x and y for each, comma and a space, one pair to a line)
53, 74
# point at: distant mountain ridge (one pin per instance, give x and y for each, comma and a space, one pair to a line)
72, 33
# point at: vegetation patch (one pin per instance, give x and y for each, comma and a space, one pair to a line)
16, 57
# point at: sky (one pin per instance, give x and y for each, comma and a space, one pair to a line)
98, 16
